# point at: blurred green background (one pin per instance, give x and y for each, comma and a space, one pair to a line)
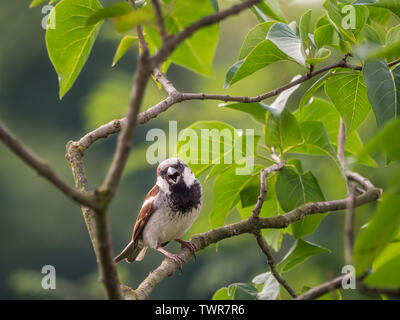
39, 226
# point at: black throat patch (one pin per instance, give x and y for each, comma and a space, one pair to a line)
182, 198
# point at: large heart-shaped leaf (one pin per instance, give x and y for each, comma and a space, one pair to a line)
348, 94
227, 189
316, 141
392, 5
294, 189
254, 37
383, 87
298, 253
321, 110
70, 43
379, 231
282, 132
264, 54
205, 144
196, 52
287, 41
268, 9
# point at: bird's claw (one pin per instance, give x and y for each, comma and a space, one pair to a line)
190, 245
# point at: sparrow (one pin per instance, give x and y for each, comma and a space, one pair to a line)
168, 211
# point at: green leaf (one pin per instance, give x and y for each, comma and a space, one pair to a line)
339, 15
348, 94
244, 291
282, 132
254, 37
321, 55
391, 251
196, 52
298, 253
379, 231
128, 21
236, 291
226, 190
256, 110
321, 110
379, 15
70, 43
383, 87
215, 5
223, 294
393, 35
326, 35
313, 89
35, 3
316, 141
264, 54
387, 276
392, 5
268, 8
383, 141
294, 189
288, 42
305, 25
117, 9
124, 45
279, 104
205, 144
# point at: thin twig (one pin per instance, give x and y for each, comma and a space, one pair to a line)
322, 289
341, 140
121, 154
265, 249
160, 19
44, 169
139, 30
263, 187
349, 225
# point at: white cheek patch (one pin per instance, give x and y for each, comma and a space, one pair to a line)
147, 201
163, 185
188, 177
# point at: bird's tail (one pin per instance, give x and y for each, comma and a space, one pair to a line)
133, 251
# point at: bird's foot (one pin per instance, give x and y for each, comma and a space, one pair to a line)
174, 257
189, 245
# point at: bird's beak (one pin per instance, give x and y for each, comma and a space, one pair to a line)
172, 174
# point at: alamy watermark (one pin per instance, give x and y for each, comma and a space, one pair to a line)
49, 280
209, 146
49, 20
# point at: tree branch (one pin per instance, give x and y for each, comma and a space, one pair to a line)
263, 186
341, 141
349, 225
250, 225
121, 154
160, 19
320, 290
44, 169
265, 249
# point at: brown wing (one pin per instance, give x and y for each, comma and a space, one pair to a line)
144, 213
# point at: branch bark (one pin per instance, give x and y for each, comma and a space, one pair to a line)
270, 259
250, 226
124, 143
